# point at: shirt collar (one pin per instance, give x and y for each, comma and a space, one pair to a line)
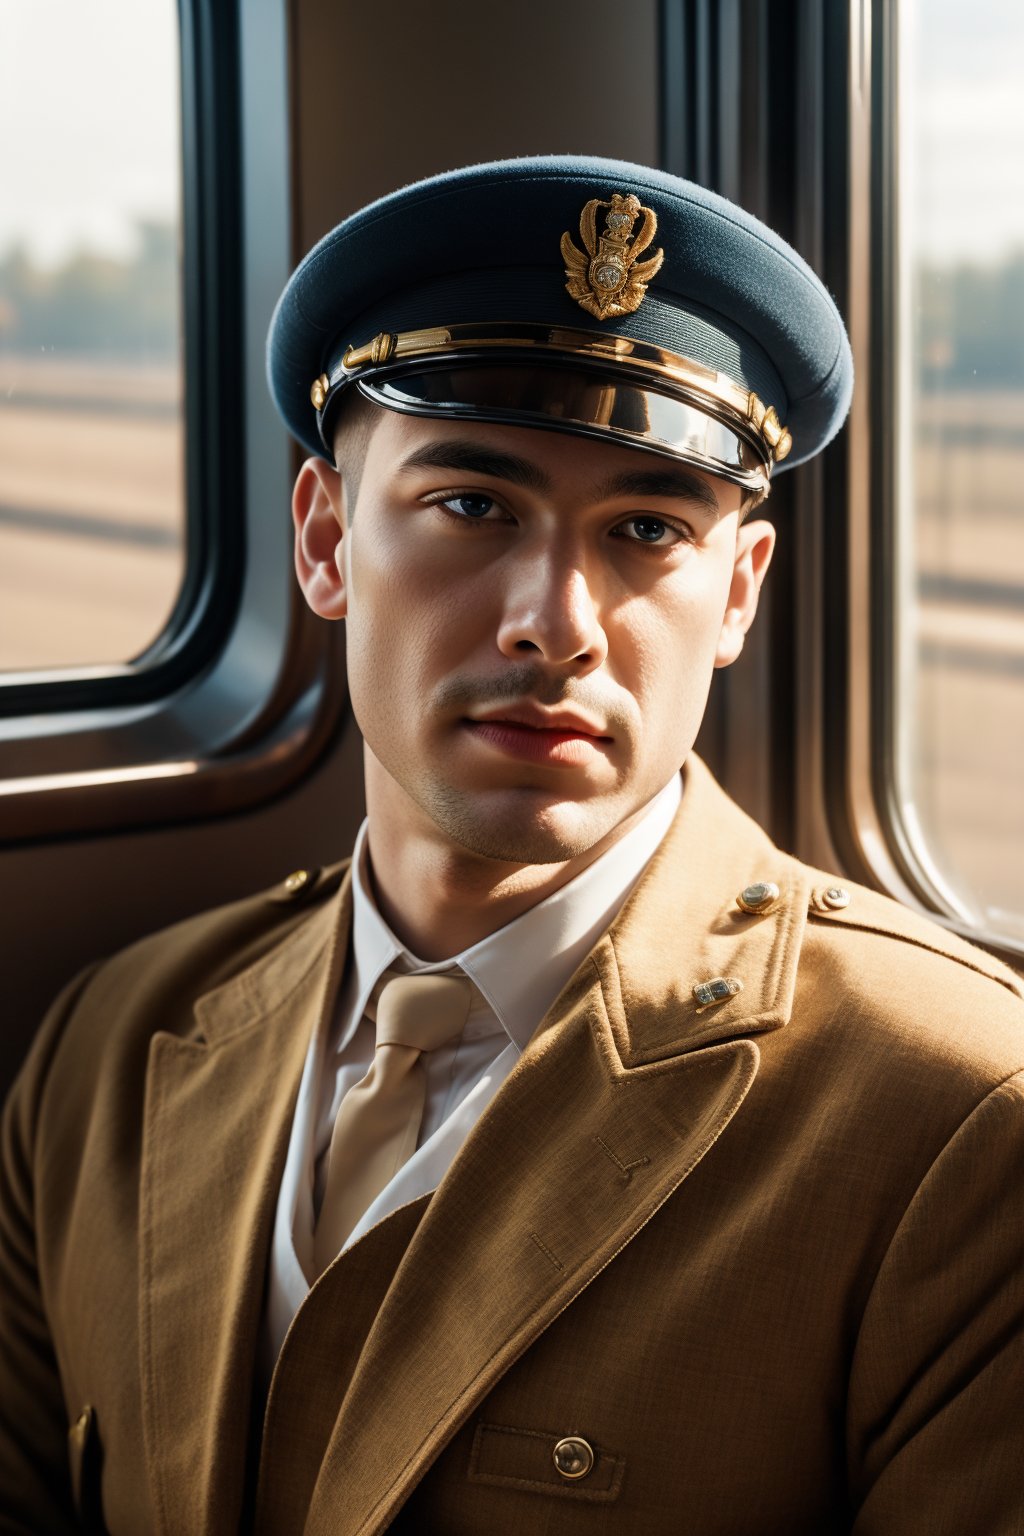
520, 968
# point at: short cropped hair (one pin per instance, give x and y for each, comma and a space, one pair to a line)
357, 418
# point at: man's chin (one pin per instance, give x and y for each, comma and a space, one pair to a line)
520, 826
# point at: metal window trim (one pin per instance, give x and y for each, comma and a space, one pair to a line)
714, 69
867, 819
241, 701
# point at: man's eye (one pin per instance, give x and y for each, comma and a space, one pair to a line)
474, 507
650, 530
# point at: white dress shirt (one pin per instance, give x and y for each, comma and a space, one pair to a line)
517, 973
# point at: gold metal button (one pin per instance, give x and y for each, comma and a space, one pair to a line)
758, 898
830, 898
573, 1457
718, 990
318, 391
297, 881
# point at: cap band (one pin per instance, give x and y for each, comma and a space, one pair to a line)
629, 390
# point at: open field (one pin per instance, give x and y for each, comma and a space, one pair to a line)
91, 513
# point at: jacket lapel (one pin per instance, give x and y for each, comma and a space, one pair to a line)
217, 1119
623, 1090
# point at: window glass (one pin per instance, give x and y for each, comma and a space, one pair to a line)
959, 720
91, 439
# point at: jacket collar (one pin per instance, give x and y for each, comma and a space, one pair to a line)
217, 1114
521, 967
683, 926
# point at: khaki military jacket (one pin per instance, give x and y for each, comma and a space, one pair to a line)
765, 1259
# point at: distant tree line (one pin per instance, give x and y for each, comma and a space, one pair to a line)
95, 305
969, 324
969, 320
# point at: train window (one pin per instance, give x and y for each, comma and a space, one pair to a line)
213, 688
92, 498
958, 720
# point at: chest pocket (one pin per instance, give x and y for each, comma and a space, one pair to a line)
567, 1465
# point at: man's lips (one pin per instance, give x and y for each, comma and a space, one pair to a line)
561, 740
566, 721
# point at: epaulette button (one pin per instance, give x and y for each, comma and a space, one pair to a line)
300, 883
759, 898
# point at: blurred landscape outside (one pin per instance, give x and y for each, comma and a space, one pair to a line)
92, 512
959, 727
92, 549
92, 509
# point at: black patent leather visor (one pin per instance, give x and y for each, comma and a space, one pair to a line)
574, 400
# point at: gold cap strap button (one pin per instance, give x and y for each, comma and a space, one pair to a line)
573, 1457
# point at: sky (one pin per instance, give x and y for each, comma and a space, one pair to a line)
89, 124
962, 123
89, 129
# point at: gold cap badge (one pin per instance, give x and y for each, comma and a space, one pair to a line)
609, 280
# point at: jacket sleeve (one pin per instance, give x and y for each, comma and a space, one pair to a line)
35, 1484
936, 1408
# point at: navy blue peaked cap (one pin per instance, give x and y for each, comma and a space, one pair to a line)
477, 256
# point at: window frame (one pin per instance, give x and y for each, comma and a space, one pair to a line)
212, 321
865, 816
240, 694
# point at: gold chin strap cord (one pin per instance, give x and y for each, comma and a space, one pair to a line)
379, 1120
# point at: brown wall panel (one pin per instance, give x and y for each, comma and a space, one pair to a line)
388, 93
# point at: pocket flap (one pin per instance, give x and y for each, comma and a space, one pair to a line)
506, 1457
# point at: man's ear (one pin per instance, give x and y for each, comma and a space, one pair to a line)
754, 545
318, 512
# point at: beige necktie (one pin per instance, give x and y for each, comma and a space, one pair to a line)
379, 1120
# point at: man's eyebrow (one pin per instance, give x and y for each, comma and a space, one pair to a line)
477, 459
677, 483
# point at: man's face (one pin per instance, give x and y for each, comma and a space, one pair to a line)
532, 621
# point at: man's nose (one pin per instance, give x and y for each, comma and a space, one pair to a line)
551, 608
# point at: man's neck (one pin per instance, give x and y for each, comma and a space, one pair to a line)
439, 898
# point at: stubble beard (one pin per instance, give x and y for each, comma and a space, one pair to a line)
510, 833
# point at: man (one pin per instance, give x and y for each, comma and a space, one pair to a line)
575, 1161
